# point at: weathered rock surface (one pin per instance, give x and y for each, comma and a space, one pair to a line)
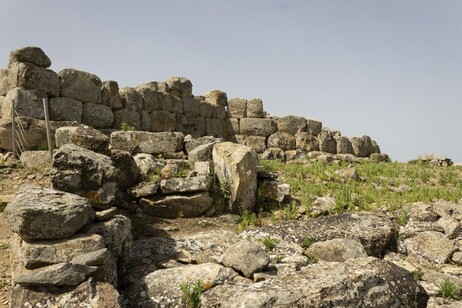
143, 190
306, 142
61, 274
38, 213
327, 142
236, 168
110, 94
375, 233
362, 146
365, 282
281, 140
29, 76
432, 246
313, 127
246, 257
65, 109
237, 108
36, 159
125, 162
97, 115
257, 127
337, 250
83, 136
176, 206
146, 142
291, 124
201, 153
88, 294
28, 103
80, 85
186, 185
30, 54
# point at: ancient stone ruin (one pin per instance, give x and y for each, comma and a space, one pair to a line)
158, 151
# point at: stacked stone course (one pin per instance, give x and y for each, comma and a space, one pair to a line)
169, 106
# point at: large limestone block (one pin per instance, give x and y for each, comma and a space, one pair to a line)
147, 165
163, 121
216, 127
83, 136
65, 109
255, 108
131, 98
80, 85
126, 163
34, 132
375, 233
313, 127
163, 286
191, 107
337, 250
364, 282
38, 213
176, 206
179, 86
31, 54
149, 93
88, 294
30, 76
97, 115
186, 185
281, 140
327, 142
28, 103
216, 97
246, 257
40, 253
110, 94
207, 110
237, 108
170, 102
147, 142
127, 116
4, 82
362, 146
257, 143
291, 124
432, 246
257, 127
236, 168
344, 145
191, 144
201, 153
306, 142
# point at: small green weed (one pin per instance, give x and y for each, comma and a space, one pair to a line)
247, 220
192, 291
403, 217
126, 127
312, 258
5, 246
225, 191
448, 289
154, 178
2, 206
290, 212
418, 274
307, 241
269, 242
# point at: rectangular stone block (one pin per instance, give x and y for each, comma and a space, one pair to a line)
313, 127
216, 128
257, 127
4, 83
65, 109
255, 108
28, 103
147, 142
127, 117
163, 121
237, 108
29, 76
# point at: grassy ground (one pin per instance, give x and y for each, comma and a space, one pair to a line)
391, 185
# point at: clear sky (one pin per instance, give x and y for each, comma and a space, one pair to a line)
390, 69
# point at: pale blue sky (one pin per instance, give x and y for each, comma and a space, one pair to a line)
391, 69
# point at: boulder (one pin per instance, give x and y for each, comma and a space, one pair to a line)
65, 109
42, 253
179, 86
306, 142
281, 140
216, 97
97, 115
127, 166
38, 213
148, 165
257, 127
80, 85
376, 234
149, 93
237, 108
255, 108
88, 294
322, 206
61, 274
362, 146
28, 103
201, 153
432, 246
83, 136
215, 127
274, 191
257, 143
170, 102
130, 117
291, 124
313, 127
110, 94
273, 153
30, 54
191, 107
327, 142
175, 206
186, 185
194, 143
295, 154
131, 99
143, 190
29, 76
162, 287
344, 145
147, 142
4, 82
337, 250
363, 282
246, 257
235, 167
163, 121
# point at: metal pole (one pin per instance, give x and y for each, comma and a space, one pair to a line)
47, 124
13, 129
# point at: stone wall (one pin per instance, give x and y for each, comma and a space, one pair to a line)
168, 106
